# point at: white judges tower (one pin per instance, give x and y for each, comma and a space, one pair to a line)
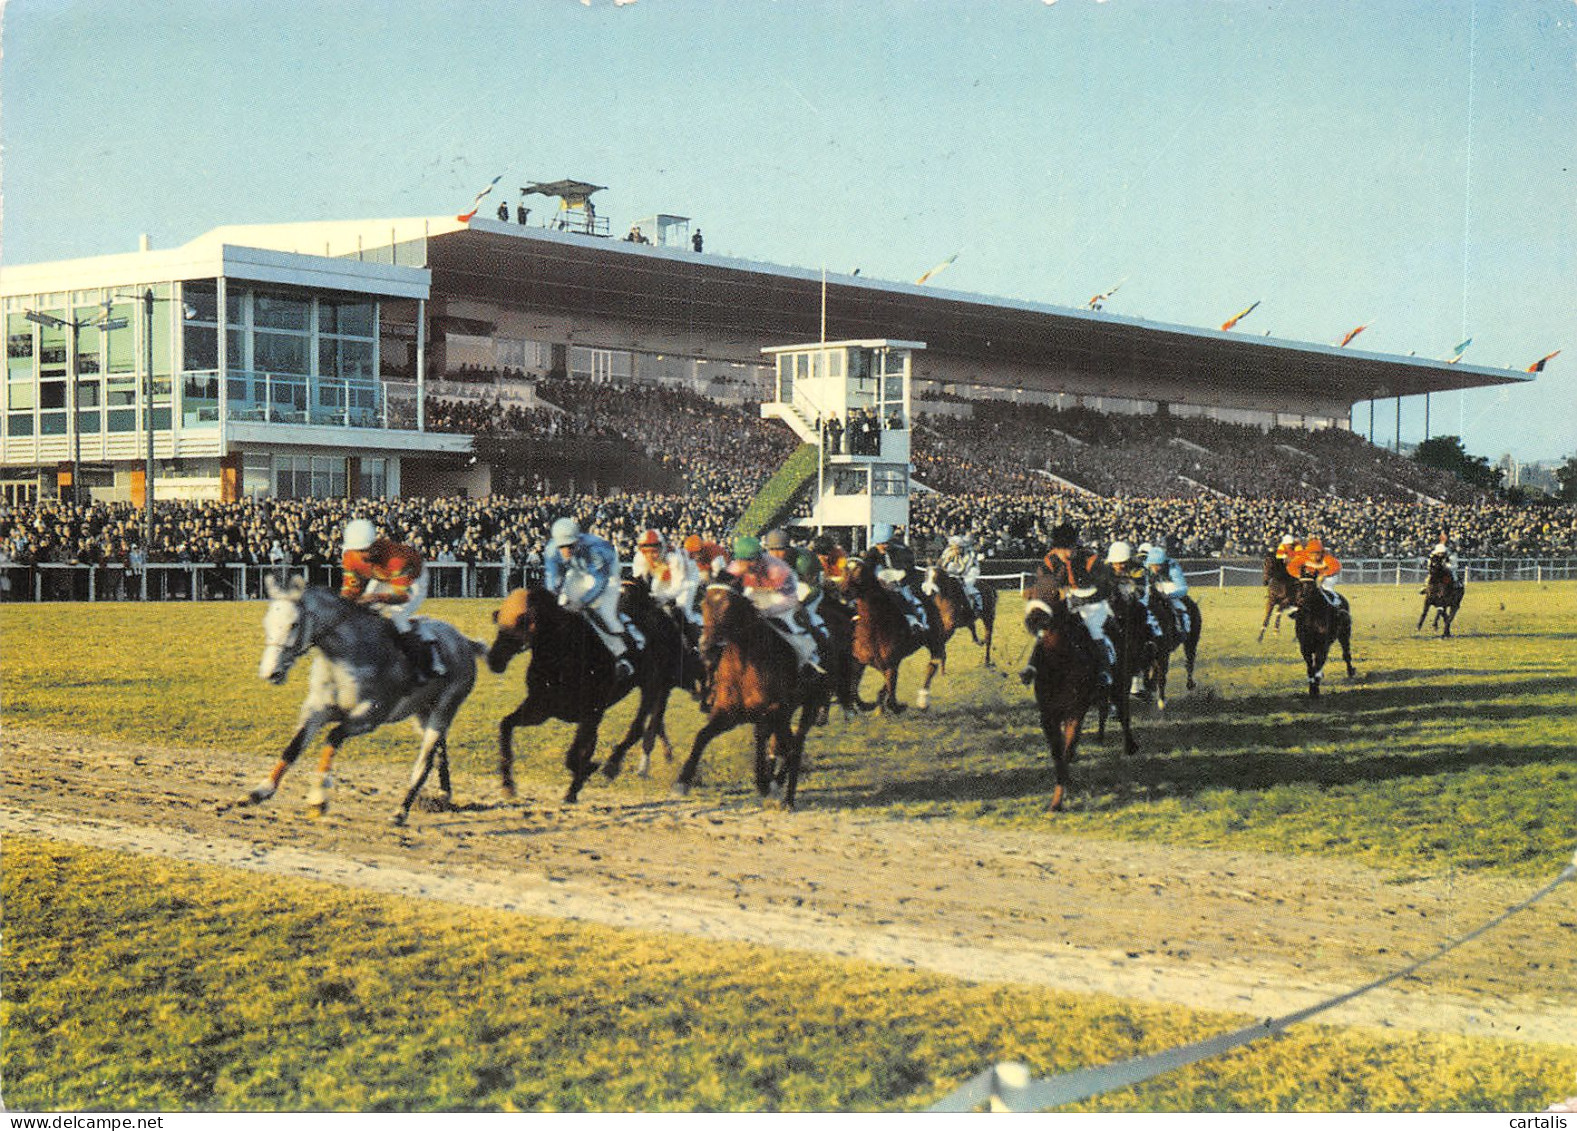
850, 399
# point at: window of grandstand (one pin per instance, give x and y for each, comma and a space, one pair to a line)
600, 365
309, 477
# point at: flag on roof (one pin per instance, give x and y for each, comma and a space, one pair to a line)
1458, 351
938, 269
1351, 334
1096, 300
465, 217
1538, 366
1239, 316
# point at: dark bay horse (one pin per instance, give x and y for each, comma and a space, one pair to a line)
360, 680
1320, 623
1171, 639
755, 679
1067, 681
843, 670
1444, 593
1280, 592
958, 612
883, 636
571, 677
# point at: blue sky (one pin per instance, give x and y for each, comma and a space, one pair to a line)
1412, 165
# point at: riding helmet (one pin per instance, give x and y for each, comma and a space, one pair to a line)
746, 548
692, 544
1156, 556
650, 538
1314, 546
359, 534
1120, 554
565, 531
776, 541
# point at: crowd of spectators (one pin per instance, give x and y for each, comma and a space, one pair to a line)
1205, 488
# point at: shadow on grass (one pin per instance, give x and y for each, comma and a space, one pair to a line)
1110, 781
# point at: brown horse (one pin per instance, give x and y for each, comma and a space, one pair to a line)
755, 679
571, 677
1067, 680
957, 611
883, 636
1444, 593
843, 671
1320, 623
1161, 609
1280, 592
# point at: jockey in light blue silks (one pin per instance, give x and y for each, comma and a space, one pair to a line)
1167, 577
584, 571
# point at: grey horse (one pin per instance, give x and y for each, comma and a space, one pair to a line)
360, 680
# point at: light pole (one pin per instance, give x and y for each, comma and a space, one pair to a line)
55, 323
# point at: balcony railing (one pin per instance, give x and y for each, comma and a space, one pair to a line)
282, 398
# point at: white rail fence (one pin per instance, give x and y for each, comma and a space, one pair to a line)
205, 581
1007, 1086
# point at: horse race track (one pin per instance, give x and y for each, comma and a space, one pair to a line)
1260, 854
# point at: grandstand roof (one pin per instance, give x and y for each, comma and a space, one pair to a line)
748, 306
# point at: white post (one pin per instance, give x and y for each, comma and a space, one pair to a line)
1221, 580
1399, 573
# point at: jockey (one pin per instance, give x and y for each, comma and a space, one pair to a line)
1089, 585
1314, 562
1132, 577
772, 588
388, 576
807, 573
1446, 559
673, 576
1286, 549
1169, 581
584, 571
893, 564
961, 561
706, 556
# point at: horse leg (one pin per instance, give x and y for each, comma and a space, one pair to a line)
318, 795
526, 714
1344, 638
714, 726
889, 692
578, 758
1270, 604
1056, 741
432, 739
767, 731
922, 698
637, 726
1424, 614
656, 731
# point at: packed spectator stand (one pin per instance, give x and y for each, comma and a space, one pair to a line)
1206, 488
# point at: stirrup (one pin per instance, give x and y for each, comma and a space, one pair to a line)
622, 668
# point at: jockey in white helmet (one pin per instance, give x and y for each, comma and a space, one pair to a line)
583, 570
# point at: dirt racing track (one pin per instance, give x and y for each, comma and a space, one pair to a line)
1252, 934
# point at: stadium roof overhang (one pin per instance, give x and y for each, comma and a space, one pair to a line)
740, 307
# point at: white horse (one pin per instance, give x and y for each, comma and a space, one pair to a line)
360, 680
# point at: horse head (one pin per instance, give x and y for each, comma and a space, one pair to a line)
857, 579
517, 620
285, 631
1044, 609
723, 607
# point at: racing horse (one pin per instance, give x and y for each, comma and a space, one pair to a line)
1165, 615
1444, 593
1067, 680
755, 679
360, 680
572, 677
957, 611
883, 636
1321, 619
1280, 592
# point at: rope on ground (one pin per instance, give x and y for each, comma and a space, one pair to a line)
1007, 1087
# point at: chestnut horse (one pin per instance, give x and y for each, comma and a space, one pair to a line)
1280, 592
1444, 593
953, 603
1320, 622
571, 677
1067, 680
883, 636
755, 679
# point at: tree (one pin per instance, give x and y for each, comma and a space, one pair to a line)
1566, 476
1446, 453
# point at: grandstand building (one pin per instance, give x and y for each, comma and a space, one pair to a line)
298, 359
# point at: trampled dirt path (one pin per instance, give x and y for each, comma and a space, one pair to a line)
1249, 933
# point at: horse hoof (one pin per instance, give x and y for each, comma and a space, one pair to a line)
611, 770
319, 808
259, 795
507, 788
922, 699
681, 789
397, 819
